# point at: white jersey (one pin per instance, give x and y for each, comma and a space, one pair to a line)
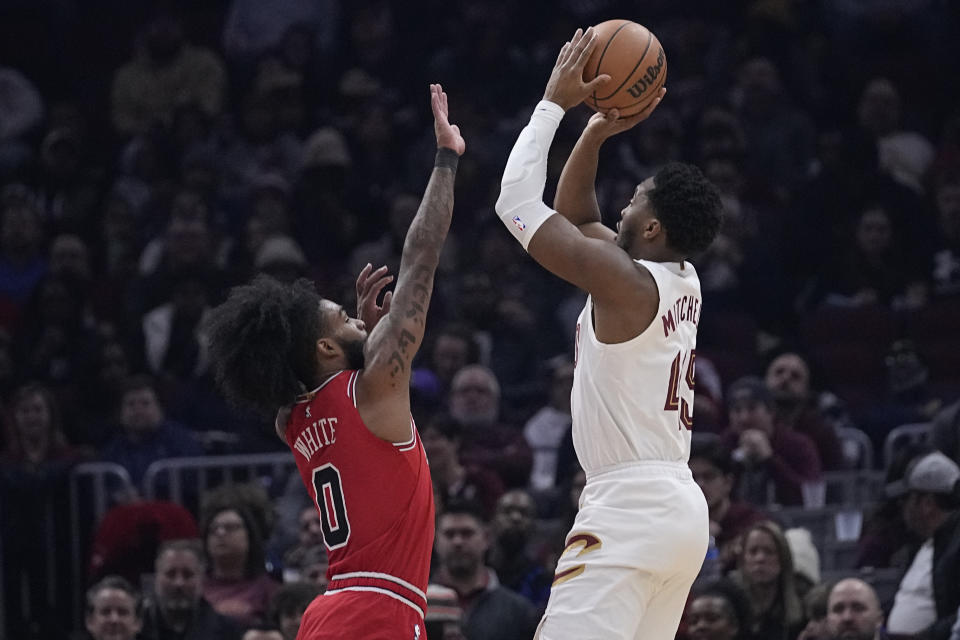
633, 401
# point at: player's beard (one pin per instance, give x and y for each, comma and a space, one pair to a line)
353, 350
625, 236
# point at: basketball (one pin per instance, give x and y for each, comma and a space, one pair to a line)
634, 59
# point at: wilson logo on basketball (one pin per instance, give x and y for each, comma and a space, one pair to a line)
647, 80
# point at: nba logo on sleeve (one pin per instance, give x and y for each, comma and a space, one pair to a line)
520, 223
576, 346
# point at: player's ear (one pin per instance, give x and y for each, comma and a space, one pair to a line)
651, 228
327, 348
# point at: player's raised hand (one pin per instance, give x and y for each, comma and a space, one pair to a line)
370, 283
604, 125
566, 86
448, 135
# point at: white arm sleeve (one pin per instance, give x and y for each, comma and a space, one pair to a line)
520, 205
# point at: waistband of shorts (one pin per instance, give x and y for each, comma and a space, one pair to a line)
382, 583
653, 468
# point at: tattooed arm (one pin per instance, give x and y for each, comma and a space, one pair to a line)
383, 388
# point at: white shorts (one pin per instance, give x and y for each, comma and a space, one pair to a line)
635, 548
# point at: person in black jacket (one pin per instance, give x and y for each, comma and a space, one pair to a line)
178, 611
925, 605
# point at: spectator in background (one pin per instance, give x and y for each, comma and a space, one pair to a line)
165, 72
113, 610
491, 611
713, 470
178, 610
853, 611
173, 347
904, 155
779, 137
35, 438
815, 611
252, 29
57, 335
235, 523
928, 596
187, 244
876, 271
22, 263
775, 460
512, 555
314, 566
909, 397
546, 430
453, 479
325, 220
788, 378
310, 535
20, 114
945, 433
945, 263
281, 258
386, 249
144, 435
765, 571
127, 539
444, 616
453, 347
718, 610
885, 539
486, 442
288, 605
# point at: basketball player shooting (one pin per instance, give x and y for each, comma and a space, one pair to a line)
344, 388
641, 533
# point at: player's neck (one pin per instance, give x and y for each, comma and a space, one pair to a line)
327, 369
656, 253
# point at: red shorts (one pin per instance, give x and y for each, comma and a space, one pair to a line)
359, 615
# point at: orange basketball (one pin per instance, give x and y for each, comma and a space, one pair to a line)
634, 59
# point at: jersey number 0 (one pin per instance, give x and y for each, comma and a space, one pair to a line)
330, 504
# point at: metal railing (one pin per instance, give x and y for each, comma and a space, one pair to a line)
99, 475
180, 477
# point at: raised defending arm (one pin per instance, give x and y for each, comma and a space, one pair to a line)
384, 387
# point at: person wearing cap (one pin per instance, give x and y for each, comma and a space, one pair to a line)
770, 455
925, 605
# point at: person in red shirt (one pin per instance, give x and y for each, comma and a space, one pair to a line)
342, 386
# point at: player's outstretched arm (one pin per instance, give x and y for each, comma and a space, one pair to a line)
599, 267
384, 386
576, 198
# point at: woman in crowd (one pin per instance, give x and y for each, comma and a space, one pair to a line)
765, 571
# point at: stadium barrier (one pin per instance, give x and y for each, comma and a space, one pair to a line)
182, 479
91, 486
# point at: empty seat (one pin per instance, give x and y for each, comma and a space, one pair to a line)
913, 433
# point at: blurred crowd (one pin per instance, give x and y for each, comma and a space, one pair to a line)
153, 154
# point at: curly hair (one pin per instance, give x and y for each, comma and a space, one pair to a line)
263, 343
736, 599
251, 503
688, 206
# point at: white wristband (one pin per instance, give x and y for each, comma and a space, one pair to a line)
520, 205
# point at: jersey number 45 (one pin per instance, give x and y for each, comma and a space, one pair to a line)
676, 401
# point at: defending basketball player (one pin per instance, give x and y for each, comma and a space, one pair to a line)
349, 426
641, 533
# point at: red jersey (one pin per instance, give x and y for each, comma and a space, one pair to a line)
375, 497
